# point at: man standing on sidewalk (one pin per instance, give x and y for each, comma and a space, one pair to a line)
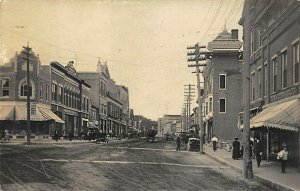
258, 152
283, 156
178, 142
215, 141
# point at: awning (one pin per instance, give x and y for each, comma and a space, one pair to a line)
7, 112
18, 112
48, 114
92, 125
285, 115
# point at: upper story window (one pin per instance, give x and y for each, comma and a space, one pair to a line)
266, 79
252, 41
25, 90
54, 92
5, 86
284, 69
41, 90
275, 73
252, 84
296, 64
47, 92
259, 83
222, 81
210, 104
222, 105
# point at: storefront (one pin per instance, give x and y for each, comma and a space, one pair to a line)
277, 126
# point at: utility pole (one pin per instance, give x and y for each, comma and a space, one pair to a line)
247, 163
188, 94
28, 50
197, 58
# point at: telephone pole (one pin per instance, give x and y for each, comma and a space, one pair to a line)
197, 58
28, 50
188, 95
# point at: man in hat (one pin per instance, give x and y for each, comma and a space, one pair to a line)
258, 152
236, 149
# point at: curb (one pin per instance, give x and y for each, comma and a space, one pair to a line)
257, 178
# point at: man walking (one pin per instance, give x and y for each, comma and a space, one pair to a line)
215, 141
178, 142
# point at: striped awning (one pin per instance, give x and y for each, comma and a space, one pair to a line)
285, 115
6, 112
18, 111
48, 114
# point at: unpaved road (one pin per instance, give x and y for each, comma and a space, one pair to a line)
127, 165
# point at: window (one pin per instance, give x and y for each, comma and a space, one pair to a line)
210, 104
222, 81
266, 79
274, 61
284, 69
259, 83
54, 92
5, 86
60, 94
25, 89
222, 105
252, 41
252, 84
47, 92
41, 90
206, 106
259, 37
296, 64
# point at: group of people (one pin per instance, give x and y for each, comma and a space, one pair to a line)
237, 151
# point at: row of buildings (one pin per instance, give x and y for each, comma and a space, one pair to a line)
60, 98
271, 49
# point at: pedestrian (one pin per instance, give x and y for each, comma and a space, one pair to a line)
258, 152
56, 135
178, 142
70, 135
6, 132
214, 141
283, 157
236, 149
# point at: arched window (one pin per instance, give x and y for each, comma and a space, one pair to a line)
25, 89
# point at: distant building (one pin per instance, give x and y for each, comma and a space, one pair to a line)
222, 98
165, 124
271, 47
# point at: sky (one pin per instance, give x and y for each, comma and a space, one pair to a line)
143, 41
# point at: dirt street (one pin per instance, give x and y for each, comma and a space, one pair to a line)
127, 165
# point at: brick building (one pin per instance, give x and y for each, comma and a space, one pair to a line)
165, 124
70, 98
222, 98
13, 96
271, 33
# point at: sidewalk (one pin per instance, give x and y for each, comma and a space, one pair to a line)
268, 173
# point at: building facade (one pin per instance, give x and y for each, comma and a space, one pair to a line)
70, 98
13, 97
272, 44
222, 99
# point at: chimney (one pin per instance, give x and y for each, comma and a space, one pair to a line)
235, 34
